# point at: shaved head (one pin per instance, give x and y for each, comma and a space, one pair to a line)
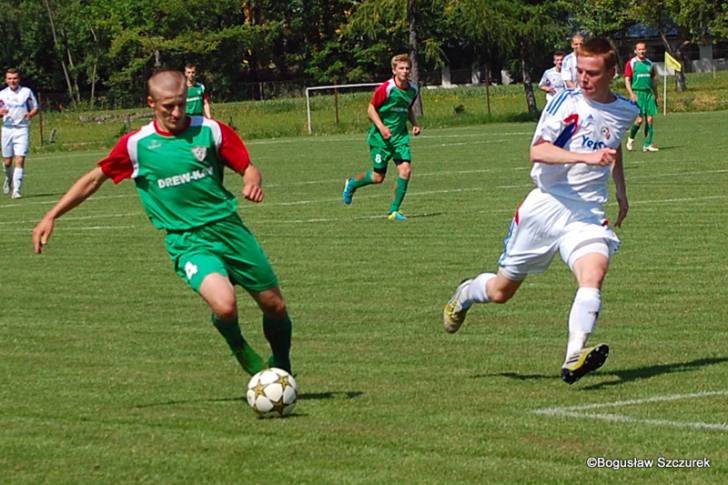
168, 98
166, 81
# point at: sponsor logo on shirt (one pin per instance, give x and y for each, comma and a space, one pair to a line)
184, 178
593, 144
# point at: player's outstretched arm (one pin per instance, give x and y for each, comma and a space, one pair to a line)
621, 188
546, 152
79, 191
252, 184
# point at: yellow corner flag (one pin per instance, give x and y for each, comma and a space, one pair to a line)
672, 63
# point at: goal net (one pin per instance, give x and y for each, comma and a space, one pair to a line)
332, 91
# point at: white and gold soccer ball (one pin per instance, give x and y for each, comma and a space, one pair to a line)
272, 393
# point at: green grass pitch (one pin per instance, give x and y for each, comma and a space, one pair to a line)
112, 372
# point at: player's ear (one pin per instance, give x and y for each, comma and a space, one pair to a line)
150, 102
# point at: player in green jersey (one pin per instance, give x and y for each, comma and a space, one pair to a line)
198, 101
389, 110
177, 165
639, 78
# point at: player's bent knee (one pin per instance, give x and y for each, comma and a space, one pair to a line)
377, 178
271, 303
224, 308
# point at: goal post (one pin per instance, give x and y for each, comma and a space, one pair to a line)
329, 87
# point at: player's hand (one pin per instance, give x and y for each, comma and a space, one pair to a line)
253, 192
633, 98
4, 111
386, 133
41, 234
603, 157
416, 130
623, 209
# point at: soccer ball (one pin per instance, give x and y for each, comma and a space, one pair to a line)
272, 393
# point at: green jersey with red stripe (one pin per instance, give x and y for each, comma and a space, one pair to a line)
640, 73
393, 103
179, 176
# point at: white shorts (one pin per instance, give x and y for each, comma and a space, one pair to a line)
15, 142
544, 224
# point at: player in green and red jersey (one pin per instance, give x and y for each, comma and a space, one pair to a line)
177, 164
389, 110
639, 79
198, 101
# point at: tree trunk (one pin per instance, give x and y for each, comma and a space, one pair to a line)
57, 46
620, 62
527, 86
415, 72
93, 69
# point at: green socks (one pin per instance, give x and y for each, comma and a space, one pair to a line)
399, 193
278, 333
249, 360
366, 180
648, 137
633, 131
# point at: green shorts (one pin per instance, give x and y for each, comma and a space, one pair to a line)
226, 247
380, 156
646, 103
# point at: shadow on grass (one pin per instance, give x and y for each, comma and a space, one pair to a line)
330, 395
623, 376
650, 371
302, 396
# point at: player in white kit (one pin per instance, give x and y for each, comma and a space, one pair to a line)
574, 149
17, 107
568, 67
551, 82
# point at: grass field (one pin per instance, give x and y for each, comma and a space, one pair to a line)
112, 372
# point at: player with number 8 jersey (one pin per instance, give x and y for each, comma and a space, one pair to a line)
389, 110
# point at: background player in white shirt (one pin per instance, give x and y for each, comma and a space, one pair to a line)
575, 148
17, 107
551, 82
568, 68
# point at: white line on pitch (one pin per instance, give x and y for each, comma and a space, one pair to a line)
580, 411
632, 402
618, 418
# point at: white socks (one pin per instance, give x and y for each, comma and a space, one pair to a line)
17, 179
477, 293
583, 317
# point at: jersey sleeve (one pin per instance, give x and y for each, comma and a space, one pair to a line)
558, 122
380, 95
232, 149
544, 80
32, 102
117, 165
628, 72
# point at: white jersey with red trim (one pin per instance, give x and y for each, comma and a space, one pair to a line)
573, 122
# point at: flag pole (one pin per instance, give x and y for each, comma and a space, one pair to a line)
664, 93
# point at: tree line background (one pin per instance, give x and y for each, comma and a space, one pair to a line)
92, 52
